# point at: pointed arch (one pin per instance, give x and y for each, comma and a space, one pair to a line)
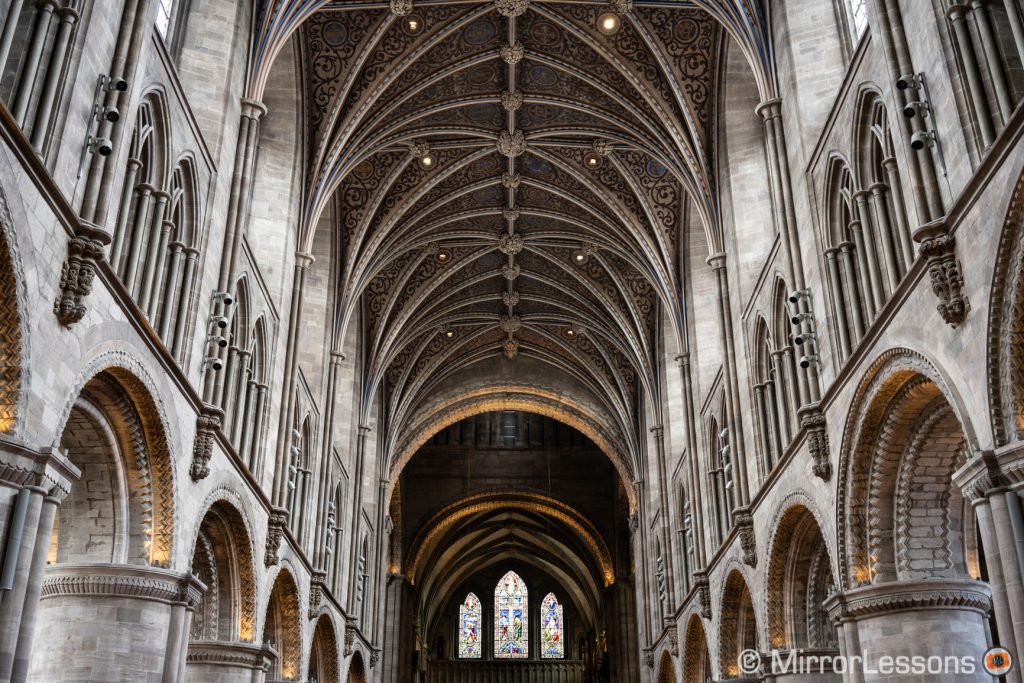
471, 628
552, 628
511, 618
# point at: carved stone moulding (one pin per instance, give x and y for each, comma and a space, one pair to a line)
241, 655
938, 248
511, 181
703, 585
401, 8
744, 521
276, 523
46, 468
511, 323
510, 347
510, 298
813, 421
510, 272
621, 6
512, 54
924, 594
512, 101
510, 213
85, 252
511, 144
142, 583
207, 424
511, 8
510, 244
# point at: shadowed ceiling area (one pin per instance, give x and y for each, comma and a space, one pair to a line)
511, 180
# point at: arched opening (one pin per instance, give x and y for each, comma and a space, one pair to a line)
511, 567
356, 669
222, 559
666, 669
282, 627
800, 579
902, 520
696, 656
10, 329
738, 625
323, 655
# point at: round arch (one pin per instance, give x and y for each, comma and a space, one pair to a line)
282, 625
696, 657
12, 361
737, 624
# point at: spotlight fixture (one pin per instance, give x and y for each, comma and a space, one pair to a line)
593, 161
808, 361
101, 146
444, 255
110, 114
109, 83
224, 298
219, 321
570, 332
609, 23
413, 24
449, 333
218, 340
213, 362
798, 294
428, 161
909, 81
922, 139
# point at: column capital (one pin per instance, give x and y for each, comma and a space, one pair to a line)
957, 12
161, 195
68, 14
46, 468
683, 359
253, 109
337, 358
303, 260
769, 108
167, 226
658, 431
716, 260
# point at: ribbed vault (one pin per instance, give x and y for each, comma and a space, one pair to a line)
509, 182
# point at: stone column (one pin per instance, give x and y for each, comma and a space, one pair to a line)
931, 617
227, 662
774, 420
169, 308
871, 283
33, 484
972, 74
737, 454
10, 26
44, 110
238, 417
302, 264
880, 209
990, 48
899, 211
852, 288
762, 418
121, 229
142, 288
30, 71
130, 262
784, 400
155, 276
838, 299
658, 431
181, 312
114, 622
696, 491
256, 456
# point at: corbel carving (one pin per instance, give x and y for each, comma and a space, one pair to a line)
938, 248
207, 424
275, 532
745, 523
85, 252
813, 421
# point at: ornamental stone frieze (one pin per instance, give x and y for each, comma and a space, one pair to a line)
142, 583
938, 248
925, 594
47, 469
85, 253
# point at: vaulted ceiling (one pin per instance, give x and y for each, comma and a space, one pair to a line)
511, 182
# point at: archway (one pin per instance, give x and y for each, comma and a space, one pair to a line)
356, 669
696, 657
10, 328
800, 579
115, 529
666, 669
282, 627
738, 625
906, 534
323, 655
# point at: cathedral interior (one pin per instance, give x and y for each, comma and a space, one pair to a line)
509, 341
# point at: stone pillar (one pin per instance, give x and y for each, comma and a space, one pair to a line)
852, 288
169, 308
990, 48
838, 299
30, 71
930, 618
54, 71
121, 229
880, 209
181, 312
736, 451
957, 15
40, 479
223, 662
114, 623
10, 26
899, 211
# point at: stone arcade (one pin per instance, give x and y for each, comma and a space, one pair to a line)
453, 341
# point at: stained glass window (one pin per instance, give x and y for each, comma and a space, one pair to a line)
552, 631
469, 628
511, 619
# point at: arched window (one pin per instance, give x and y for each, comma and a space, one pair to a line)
470, 628
552, 628
174, 264
170, 23
511, 618
720, 471
686, 538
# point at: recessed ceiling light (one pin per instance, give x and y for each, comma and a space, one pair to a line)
413, 24
570, 333
444, 255
609, 23
593, 160
580, 257
428, 161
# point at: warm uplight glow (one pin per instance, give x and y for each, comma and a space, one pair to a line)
428, 161
450, 334
443, 256
580, 257
570, 333
413, 25
593, 161
608, 23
